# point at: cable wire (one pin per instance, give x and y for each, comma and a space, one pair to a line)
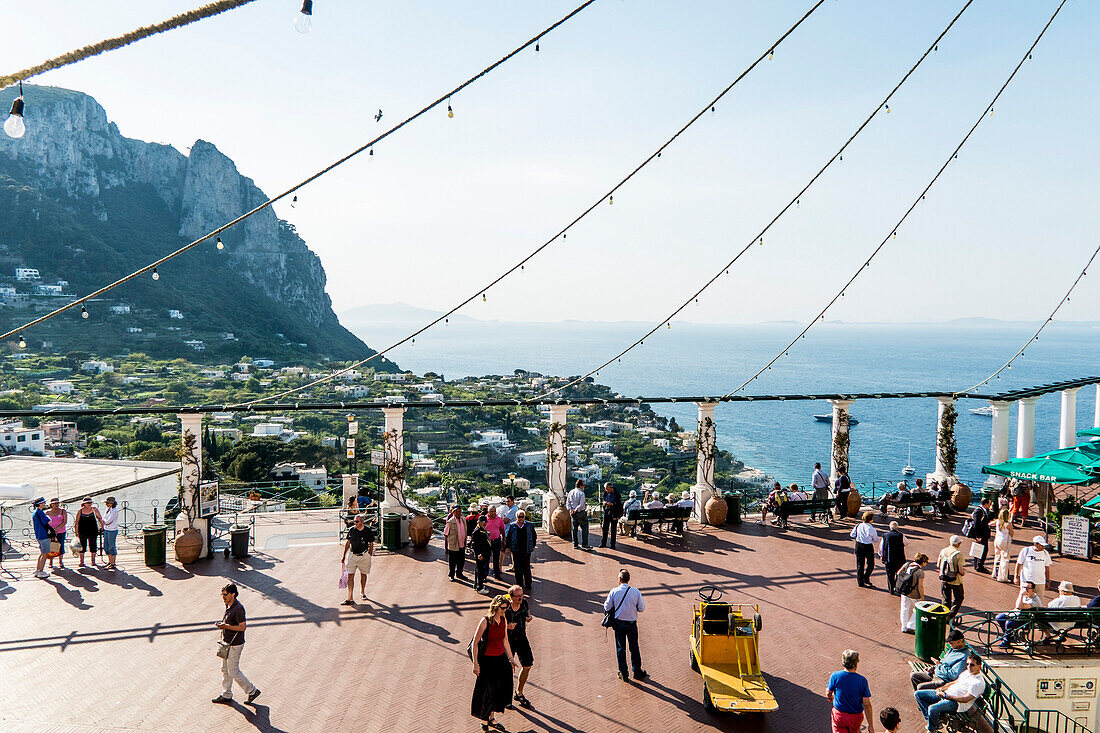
760, 235
441, 100
564, 231
1047, 322
113, 44
893, 230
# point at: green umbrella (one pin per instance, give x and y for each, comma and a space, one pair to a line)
1046, 469
1084, 456
1089, 433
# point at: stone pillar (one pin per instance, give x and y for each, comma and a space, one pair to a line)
557, 464
349, 486
190, 475
998, 445
706, 452
941, 474
393, 444
839, 453
1067, 433
1025, 427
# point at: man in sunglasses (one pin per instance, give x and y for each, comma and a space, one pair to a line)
952, 697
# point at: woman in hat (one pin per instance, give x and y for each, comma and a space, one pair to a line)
59, 519
110, 532
87, 524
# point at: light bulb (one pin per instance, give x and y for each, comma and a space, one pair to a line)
537, 47
483, 298
22, 342
14, 124
887, 109
156, 275
84, 312
450, 112
294, 202
771, 54
220, 244
611, 200
305, 18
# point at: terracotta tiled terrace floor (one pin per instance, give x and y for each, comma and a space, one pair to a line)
135, 650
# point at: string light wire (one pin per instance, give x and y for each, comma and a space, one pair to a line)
562, 234
113, 44
950, 158
1042, 326
759, 237
266, 204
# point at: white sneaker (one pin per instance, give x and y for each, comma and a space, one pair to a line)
41, 574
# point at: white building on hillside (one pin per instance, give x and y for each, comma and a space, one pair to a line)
59, 386
26, 274
532, 459
14, 438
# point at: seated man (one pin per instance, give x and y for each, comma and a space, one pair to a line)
1027, 599
685, 502
1067, 598
953, 697
633, 502
798, 494
653, 501
948, 668
900, 495
776, 497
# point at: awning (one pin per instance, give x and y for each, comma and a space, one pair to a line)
1089, 433
1046, 469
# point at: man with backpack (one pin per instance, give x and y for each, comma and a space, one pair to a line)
910, 587
951, 565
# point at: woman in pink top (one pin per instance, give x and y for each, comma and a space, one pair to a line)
59, 519
495, 527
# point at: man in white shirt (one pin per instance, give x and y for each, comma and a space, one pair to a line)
626, 602
1067, 598
953, 697
798, 494
655, 502
578, 512
631, 503
820, 483
685, 502
1032, 564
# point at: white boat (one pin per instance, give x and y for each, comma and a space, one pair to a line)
829, 418
986, 411
909, 470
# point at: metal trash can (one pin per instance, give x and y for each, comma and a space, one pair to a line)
391, 532
931, 632
238, 541
733, 505
993, 495
156, 544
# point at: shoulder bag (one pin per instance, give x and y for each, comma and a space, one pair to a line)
609, 616
481, 644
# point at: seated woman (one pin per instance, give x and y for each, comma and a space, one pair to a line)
900, 495
631, 503
1067, 598
798, 494
350, 511
1026, 600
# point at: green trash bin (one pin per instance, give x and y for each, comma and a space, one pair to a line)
931, 632
733, 504
993, 495
391, 532
156, 544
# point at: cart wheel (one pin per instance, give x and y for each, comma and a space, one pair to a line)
694, 661
708, 704
757, 621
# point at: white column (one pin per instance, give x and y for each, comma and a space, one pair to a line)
1025, 428
941, 473
1096, 409
706, 451
557, 464
393, 444
840, 425
1067, 433
190, 475
998, 445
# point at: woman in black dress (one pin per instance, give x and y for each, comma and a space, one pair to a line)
493, 664
87, 525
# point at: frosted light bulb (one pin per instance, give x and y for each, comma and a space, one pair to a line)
305, 18
14, 124
156, 275
450, 112
220, 244
84, 312
22, 342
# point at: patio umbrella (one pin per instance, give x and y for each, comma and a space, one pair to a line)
1043, 468
1089, 433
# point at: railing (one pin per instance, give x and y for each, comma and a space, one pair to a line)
1032, 629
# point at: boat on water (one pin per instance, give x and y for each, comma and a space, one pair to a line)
909, 470
829, 418
987, 411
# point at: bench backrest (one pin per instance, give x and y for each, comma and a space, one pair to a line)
668, 512
802, 506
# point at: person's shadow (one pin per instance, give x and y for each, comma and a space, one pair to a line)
258, 716
128, 581
70, 595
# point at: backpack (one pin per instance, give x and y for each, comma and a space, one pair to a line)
907, 581
948, 573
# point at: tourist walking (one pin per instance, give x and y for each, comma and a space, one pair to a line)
518, 614
521, 542
866, 537
945, 669
850, 696
952, 568
979, 531
493, 665
59, 520
952, 697
494, 525
820, 483
1032, 565
576, 503
625, 602
110, 532
612, 510
43, 534
482, 548
843, 487
1002, 543
454, 537
360, 543
1021, 500
910, 586
893, 555
232, 627
87, 525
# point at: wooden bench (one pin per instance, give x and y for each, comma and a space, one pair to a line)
792, 507
653, 517
912, 502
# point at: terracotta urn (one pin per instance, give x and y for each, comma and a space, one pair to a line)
561, 523
855, 502
716, 510
960, 496
420, 530
188, 545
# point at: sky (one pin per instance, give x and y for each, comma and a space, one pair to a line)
444, 205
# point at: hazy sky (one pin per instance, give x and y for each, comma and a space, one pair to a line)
447, 203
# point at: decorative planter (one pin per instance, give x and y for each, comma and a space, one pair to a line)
188, 545
420, 530
716, 510
561, 523
855, 502
960, 496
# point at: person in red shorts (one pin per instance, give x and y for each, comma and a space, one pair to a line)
850, 695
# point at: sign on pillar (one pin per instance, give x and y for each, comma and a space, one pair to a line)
706, 454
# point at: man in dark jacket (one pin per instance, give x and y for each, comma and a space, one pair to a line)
612, 510
521, 541
483, 550
979, 531
893, 555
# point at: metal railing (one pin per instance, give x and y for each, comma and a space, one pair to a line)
1033, 629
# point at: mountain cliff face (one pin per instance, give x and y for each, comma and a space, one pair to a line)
83, 204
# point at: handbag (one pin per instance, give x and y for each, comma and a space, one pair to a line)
343, 575
223, 645
481, 644
609, 616
968, 528
55, 547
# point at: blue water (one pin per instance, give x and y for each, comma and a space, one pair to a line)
781, 437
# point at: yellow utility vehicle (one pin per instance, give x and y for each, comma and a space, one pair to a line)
725, 649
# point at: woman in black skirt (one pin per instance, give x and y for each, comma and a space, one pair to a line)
493, 665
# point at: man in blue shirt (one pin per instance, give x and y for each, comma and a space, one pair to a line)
626, 603
851, 697
949, 668
42, 533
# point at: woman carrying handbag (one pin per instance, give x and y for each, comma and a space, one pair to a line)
493, 666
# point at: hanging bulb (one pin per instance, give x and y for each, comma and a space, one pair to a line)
936, 47
611, 200
895, 235
84, 312
669, 326
14, 124
798, 202
294, 202
371, 153
22, 342
305, 18
887, 109
990, 111
771, 54
450, 112
220, 244
156, 275
483, 298
536, 46
713, 110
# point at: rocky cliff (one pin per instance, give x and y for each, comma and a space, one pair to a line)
82, 203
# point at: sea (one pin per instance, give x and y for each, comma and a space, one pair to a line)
782, 438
